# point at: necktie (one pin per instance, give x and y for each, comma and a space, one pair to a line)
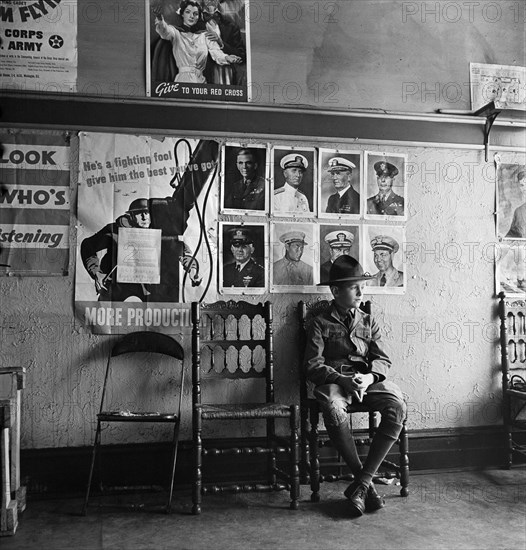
349, 319
383, 280
238, 267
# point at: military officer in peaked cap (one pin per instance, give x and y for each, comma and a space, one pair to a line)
289, 198
386, 202
244, 271
291, 270
346, 200
384, 249
340, 243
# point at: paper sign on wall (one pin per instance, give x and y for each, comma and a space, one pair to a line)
39, 45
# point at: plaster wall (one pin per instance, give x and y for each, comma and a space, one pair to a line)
441, 335
361, 54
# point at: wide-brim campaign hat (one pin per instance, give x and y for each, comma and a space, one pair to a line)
346, 269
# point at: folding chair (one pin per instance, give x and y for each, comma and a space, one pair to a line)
139, 343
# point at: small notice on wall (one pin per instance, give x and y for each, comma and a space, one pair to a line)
505, 85
139, 255
38, 45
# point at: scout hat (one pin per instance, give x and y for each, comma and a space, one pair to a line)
293, 236
383, 168
345, 269
337, 164
339, 239
240, 235
294, 161
383, 242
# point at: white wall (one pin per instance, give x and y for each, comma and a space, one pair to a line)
442, 334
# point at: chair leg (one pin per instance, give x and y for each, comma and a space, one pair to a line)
314, 455
294, 459
404, 462
304, 446
93, 454
272, 478
174, 462
198, 457
509, 445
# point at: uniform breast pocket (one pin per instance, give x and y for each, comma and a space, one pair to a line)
364, 333
336, 344
334, 335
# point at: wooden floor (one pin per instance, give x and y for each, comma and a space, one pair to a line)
455, 510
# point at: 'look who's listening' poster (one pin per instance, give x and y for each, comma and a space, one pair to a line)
38, 50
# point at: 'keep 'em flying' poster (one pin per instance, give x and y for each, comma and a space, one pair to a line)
38, 50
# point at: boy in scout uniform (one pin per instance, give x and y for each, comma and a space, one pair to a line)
386, 202
384, 249
346, 200
340, 243
289, 198
244, 271
291, 270
346, 361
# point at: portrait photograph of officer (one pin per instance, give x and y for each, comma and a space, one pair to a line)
336, 241
242, 253
384, 258
511, 210
386, 186
293, 177
340, 177
510, 272
245, 173
293, 258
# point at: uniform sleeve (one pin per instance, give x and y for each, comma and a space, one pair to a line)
314, 361
165, 31
91, 245
379, 362
235, 44
218, 55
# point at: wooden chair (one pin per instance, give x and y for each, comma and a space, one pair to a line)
311, 438
140, 343
233, 341
512, 313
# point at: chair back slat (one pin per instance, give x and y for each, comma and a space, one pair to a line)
152, 342
232, 340
512, 312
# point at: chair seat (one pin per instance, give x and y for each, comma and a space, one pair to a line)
354, 408
132, 416
517, 393
244, 410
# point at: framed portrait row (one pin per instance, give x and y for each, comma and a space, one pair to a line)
296, 256
307, 182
